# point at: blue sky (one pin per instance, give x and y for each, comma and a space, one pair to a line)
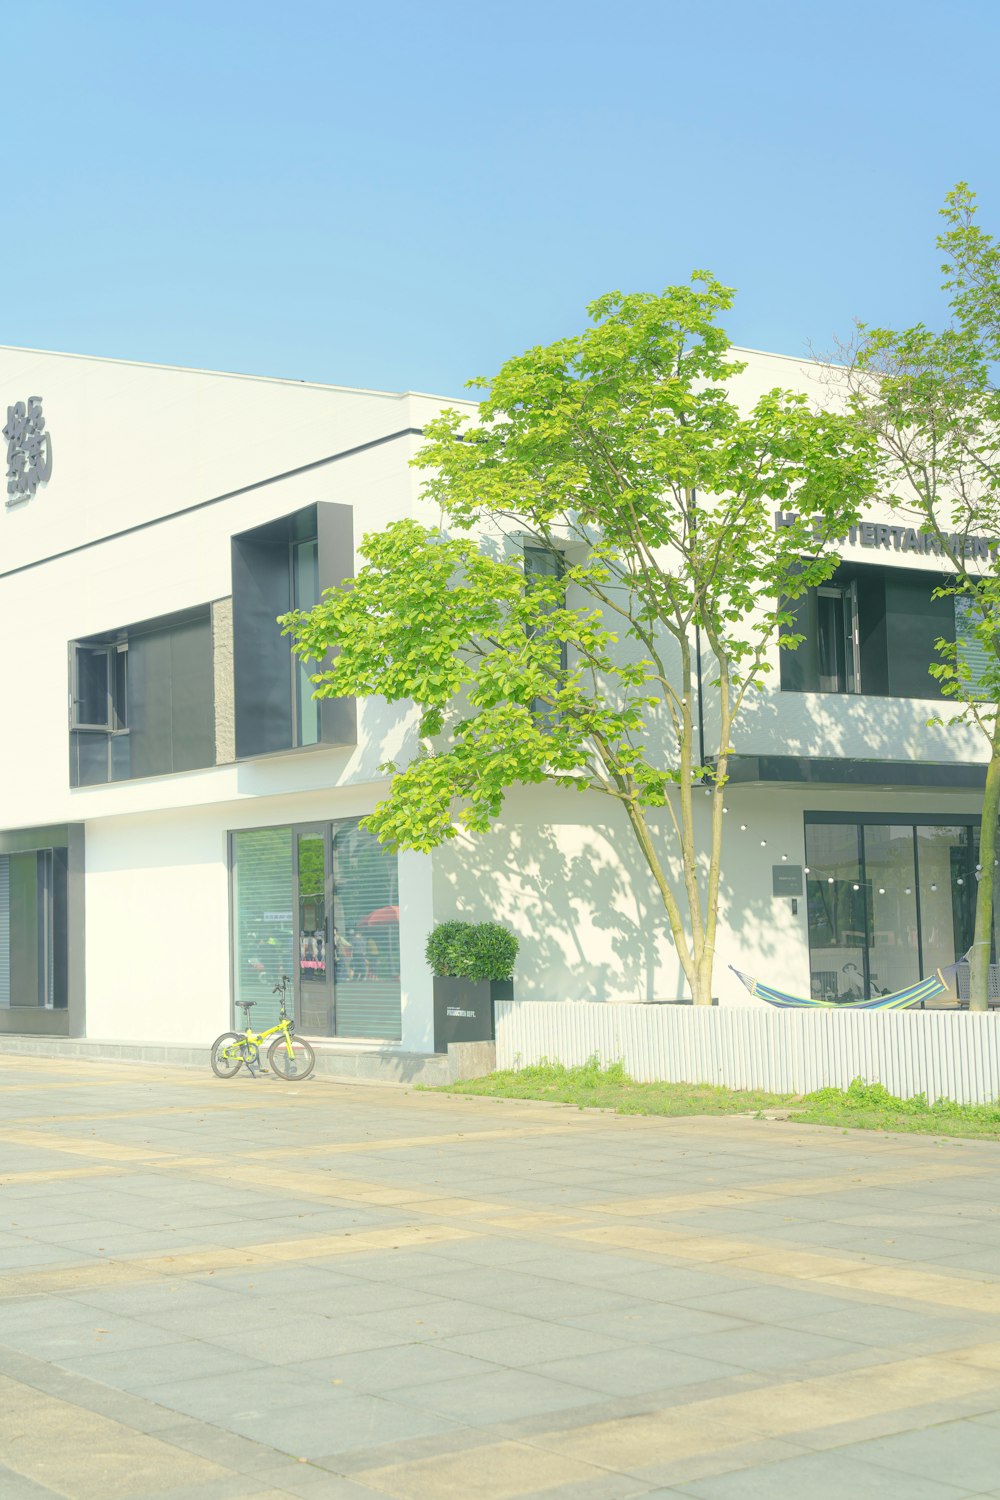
401, 196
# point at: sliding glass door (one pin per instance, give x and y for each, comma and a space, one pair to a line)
320, 903
887, 902
34, 970
315, 1006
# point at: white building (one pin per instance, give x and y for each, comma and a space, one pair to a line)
178, 818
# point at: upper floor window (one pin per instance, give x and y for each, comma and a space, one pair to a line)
871, 630
543, 563
142, 700
305, 594
100, 696
281, 565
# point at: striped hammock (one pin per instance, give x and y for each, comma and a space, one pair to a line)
925, 989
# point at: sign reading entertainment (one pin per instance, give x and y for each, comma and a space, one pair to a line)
874, 534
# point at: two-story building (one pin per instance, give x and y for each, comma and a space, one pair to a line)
179, 818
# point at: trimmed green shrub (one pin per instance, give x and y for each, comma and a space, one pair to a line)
472, 950
447, 948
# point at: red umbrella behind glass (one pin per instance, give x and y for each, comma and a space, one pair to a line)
385, 916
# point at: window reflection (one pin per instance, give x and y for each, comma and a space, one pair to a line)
888, 903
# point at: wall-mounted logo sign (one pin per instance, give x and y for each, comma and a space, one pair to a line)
29, 449
904, 539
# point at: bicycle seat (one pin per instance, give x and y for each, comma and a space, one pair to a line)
246, 1005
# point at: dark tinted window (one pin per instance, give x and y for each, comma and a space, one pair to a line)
869, 630
91, 704
157, 689
913, 622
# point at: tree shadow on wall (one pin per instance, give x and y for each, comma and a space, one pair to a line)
577, 893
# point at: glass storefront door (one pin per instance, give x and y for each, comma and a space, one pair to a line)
34, 941
366, 934
838, 917
888, 902
263, 931
893, 956
314, 978
319, 902
33, 930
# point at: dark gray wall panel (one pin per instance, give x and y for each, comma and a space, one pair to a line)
262, 673
262, 656
24, 974
335, 533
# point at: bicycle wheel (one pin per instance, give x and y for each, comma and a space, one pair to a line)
291, 1068
227, 1054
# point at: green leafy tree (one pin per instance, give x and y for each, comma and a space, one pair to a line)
932, 401
621, 457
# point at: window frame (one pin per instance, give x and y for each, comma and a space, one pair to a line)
539, 707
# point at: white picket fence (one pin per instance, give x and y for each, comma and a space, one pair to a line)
943, 1054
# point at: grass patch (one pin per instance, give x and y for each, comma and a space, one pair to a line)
870, 1106
862, 1106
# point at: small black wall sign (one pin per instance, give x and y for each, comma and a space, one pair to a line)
787, 880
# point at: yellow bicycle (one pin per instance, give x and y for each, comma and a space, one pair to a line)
288, 1057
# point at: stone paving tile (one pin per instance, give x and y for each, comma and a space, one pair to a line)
898, 1327
657, 1322
982, 1259
761, 1347
28, 1257
407, 1265
387, 1369
16, 1487
963, 1453
280, 1280
821, 1477
17, 1313
661, 1283
531, 1296
610, 1487
137, 1371
287, 1338
529, 1343
311, 1483
218, 1397
102, 1333
775, 1304
151, 1298
332, 1423
227, 1449
500, 1396
429, 1320
635, 1371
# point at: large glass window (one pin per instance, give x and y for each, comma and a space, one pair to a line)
286, 564
263, 920
891, 895
540, 564
888, 903
314, 990
305, 595
366, 934
33, 931
838, 919
321, 904
871, 630
837, 638
143, 702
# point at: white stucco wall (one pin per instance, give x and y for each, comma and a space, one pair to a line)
564, 872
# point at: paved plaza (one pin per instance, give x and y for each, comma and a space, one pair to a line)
246, 1291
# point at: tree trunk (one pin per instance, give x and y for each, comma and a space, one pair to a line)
702, 990
979, 961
